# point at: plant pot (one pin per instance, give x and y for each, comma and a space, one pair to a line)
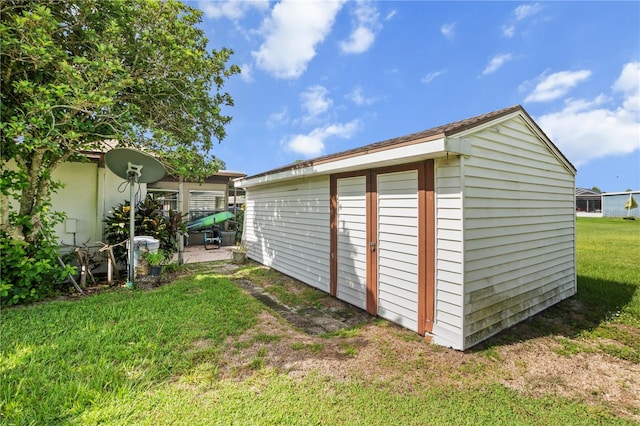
155, 270
239, 256
142, 269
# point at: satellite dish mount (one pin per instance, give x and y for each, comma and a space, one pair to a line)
128, 164
134, 169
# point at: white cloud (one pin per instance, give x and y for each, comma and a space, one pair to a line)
520, 13
628, 81
526, 10
359, 41
390, 15
313, 143
247, 73
358, 98
278, 118
315, 101
291, 34
496, 62
233, 9
366, 25
557, 85
629, 84
509, 30
431, 76
448, 30
586, 129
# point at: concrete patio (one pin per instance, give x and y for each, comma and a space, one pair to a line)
198, 254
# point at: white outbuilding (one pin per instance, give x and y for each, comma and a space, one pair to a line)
456, 232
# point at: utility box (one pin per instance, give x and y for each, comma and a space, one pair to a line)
71, 225
142, 244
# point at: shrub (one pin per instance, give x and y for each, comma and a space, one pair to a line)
28, 272
149, 220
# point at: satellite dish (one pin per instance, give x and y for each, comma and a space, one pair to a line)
136, 167
123, 161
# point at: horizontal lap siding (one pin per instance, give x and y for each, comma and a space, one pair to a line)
352, 241
518, 229
287, 228
448, 317
398, 248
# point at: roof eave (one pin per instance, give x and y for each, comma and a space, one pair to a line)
410, 151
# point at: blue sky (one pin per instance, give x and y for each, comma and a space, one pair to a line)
321, 77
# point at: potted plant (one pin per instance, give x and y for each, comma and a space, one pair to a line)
156, 260
239, 253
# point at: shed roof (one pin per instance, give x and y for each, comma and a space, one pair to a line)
432, 134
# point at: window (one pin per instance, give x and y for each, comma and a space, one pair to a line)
205, 203
168, 199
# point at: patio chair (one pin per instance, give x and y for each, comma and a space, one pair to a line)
212, 238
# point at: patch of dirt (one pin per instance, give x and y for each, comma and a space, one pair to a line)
535, 368
383, 354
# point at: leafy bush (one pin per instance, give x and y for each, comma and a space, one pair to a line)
149, 220
239, 223
28, 272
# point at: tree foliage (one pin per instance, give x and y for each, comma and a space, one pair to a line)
79, 73
29, 272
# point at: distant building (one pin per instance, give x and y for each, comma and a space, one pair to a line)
588, 203
92, 190
613, 204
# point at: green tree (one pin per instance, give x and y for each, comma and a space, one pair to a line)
80, 74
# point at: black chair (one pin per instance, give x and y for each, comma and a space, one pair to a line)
212, 238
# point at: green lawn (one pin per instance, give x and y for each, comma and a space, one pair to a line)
608, 252
154, 357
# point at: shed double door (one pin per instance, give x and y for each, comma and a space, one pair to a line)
379, 243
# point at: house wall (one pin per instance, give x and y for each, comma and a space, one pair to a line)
449, 290
519, 229
287, 228
78, 199
89, 194
613, 205
193, 186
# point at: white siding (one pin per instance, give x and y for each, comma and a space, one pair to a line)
505, 233
78, 200
398, 248
519, 233
89, 195
448, 318
287, 228
352, 241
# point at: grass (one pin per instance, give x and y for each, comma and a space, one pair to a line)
606, 307
60, 358
608, 267
154, 357
608, 251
